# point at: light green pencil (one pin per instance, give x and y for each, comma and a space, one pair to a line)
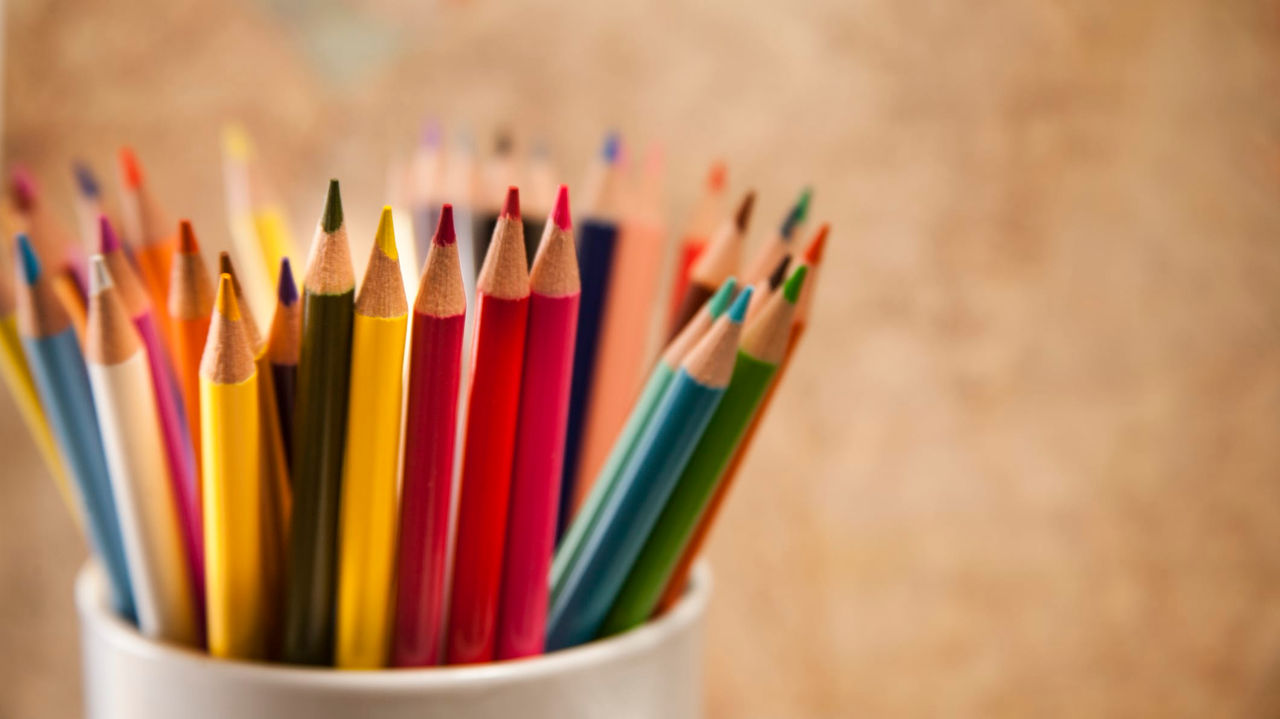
631, 431
763, 344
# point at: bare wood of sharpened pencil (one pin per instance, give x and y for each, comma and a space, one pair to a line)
724, 252
285, 340
505, 274
441, 292
382, 292
227, 267
710, 362
555, 269
228, 355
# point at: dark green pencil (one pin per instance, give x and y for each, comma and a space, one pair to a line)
320, 423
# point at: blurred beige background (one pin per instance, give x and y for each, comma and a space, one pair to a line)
1027, 463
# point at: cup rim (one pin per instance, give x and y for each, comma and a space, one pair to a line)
96, 617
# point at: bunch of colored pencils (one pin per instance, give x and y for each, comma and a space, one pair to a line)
287, 497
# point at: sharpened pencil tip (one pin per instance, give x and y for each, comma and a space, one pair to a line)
743, 216
286, 288
560, 215
739, 309
511, 206
813, 253
719, 302
187, 243
86, 182
802, 204
27, 258
130, 168
331, 220
386, 237
791, 290
717, 176
779, 272
445, 234
225, 266
99, 275
612, 149
108, 240
22, 188
225, 304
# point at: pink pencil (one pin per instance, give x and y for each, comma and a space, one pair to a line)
539, 451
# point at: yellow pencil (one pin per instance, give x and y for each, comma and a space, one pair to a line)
232, 493
369, 510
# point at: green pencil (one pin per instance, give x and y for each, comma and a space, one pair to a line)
328, 306
764, 342
653, 390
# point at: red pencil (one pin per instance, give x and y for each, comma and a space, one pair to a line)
502, 313
435, 362
539, 451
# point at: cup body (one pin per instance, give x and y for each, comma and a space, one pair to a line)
652, 671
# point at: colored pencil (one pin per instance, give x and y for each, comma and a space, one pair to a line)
764, 341
539, 451
369, 509
57, 366
702, 223
283, 344
319, 437
273, 470
179, 453
624, 352
121, 383
676, 584
592, 581
719, 260
190, 306
774, 248
435, 363
763, 289
22, 386
502, 312
149, 226
259, 225
597, 237
54, 245
232, 492
624, 446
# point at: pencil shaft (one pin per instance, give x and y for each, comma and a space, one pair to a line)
535, 478
277, 503
319, 436
189, 336
596, 242
154, 261
285, 381
486, 477
657, 560
686, 254
369, 510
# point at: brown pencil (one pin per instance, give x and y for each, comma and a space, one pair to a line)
719, 260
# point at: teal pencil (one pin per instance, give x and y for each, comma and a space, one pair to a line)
593, 579
663, 372
63, 385
764, 342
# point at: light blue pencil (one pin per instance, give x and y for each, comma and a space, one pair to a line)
593, 578
62, 382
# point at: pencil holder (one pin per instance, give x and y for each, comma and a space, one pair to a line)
652, 671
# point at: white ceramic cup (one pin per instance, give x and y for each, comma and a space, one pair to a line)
652, 671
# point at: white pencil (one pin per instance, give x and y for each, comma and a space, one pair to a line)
121, 381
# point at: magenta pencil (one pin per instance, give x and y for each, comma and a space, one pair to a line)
539, 454
435, 361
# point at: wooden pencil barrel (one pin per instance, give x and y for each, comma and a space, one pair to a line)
652, 671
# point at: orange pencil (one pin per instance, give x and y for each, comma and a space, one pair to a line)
701, 225
190, 306
152, 231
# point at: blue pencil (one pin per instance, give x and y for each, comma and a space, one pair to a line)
63, 385
597, 239
593, 579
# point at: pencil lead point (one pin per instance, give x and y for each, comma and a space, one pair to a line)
225, 267
717, 176
511, 206
27, 257
802, 204
791, 290
743, 216
331, 220
739, 309
99, 275
612, 147
720, 300
386, 237
779, 272
86, 182
813, 253
22, 188
286, 288
130, 167
108, 240
187, 243
225, 303
560, 215
445, 234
